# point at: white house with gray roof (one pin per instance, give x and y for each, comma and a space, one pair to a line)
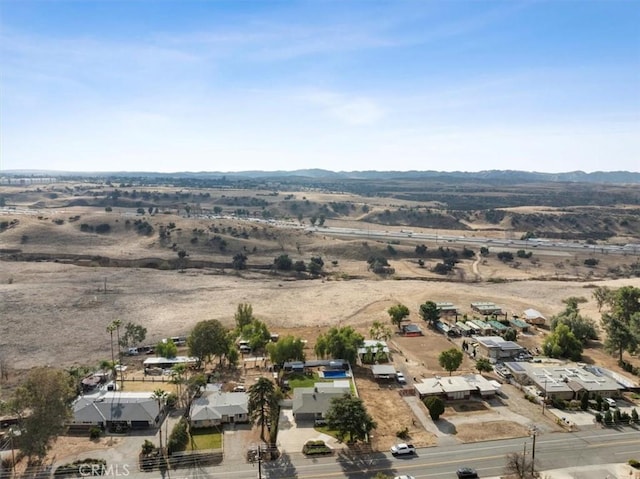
113, 409
216, 407
313, 403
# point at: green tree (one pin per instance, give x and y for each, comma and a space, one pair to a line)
622, 322
160, 396
397, 313
261, 401
314, 268
288, 348
182, 260
208, 339
582, 328
134, 334
340, 343
43, 405
166, 349
179, 378
584, 401
429, 312
602, 295
243, 316
380, 331
348, 416
283, 262
510, 334
233, 356
562, 343
239, 261
435, 405
483, 365
299, 266
257, 334
451, 359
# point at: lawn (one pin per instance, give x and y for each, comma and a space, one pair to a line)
205, 438
327, 431
303, 380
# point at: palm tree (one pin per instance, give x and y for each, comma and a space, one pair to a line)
115, 326
178, 378
160, 396
110, 329
261, 401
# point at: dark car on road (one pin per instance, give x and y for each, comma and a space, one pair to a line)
466, 473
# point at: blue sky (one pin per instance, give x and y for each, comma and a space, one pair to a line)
206, 85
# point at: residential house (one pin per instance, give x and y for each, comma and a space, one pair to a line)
486, 308
215, 407
564, 381
115, 410
535, 317
519, 325
497, 349
456, 387
451, 387
411, 330
314, 402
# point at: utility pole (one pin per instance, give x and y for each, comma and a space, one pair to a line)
544, 397
534, 433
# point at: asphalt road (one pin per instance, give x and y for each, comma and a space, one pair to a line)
553, 451
555, 245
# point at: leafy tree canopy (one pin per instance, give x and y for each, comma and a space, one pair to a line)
286, 349
397, 313
43, 403
257, 334
435, 405
244, 315
207, 339
622, 322
349, 417
166, 349
562, 343
340, 343
451, 359
429, 312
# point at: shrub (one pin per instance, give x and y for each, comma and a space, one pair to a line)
83, 468
103, 228
435, 405
179, 437
95, 433
598, 417
608, 417
312, 448
634, 463
403, 433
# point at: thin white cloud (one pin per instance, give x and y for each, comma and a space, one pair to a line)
350, 110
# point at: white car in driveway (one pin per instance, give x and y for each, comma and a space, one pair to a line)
400, 378
403, 449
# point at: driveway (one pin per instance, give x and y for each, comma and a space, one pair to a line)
292, 436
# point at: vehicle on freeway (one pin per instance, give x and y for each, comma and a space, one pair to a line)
400, 378
466, 473
402, 449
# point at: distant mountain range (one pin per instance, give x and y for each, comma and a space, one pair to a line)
501, 176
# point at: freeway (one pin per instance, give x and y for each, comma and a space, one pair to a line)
555, 245
553, 451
